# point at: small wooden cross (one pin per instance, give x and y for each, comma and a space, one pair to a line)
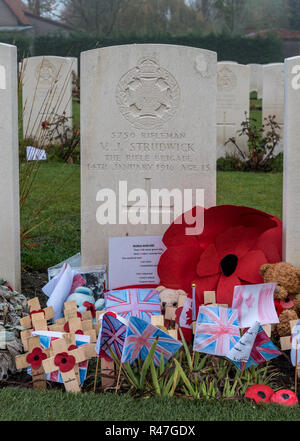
34, 359
35, 321
286, 342
66, 361
72, 322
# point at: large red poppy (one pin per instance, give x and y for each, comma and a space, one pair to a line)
234, 244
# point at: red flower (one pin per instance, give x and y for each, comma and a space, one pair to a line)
72, 347
64, 361
235, 242
260, 393
90, 307
285, 397
35, 358
45, 124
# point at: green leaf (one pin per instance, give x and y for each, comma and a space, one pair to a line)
146, 364
186, 380
187, 352
154, 378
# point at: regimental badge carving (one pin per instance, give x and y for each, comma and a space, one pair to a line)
227, 79
203, 65
148, 95
46, 72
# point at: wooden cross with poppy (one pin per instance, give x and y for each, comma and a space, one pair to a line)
35, 321
76, 323
65, 359
34, 359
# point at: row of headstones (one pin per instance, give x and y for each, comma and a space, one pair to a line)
235, 82
148, 118
47, 91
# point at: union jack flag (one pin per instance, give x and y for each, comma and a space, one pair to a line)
112, 335
262, 350
142, 303
46, 339
140, 337
217, 330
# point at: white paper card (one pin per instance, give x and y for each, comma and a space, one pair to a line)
34, 154
134, 260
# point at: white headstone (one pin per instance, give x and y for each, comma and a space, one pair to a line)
148, 117
273, 96
256, 79
47, 93
291, 188
10, 266
233, 101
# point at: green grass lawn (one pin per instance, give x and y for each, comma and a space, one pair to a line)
31, 405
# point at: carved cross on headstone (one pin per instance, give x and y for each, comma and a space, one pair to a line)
153, 211
34, 359
225, 125
66, 360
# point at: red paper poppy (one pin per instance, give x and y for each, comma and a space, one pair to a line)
90, 307
285, 397
72, 347
35, 358
234, 244
64, 361
260, 393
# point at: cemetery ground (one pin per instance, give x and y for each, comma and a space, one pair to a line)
57, 188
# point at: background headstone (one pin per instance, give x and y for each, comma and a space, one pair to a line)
291, 186
273, 96
256, 79
148, 117
47, 92
233, 101
10, 266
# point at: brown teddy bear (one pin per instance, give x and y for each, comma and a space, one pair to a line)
287, 304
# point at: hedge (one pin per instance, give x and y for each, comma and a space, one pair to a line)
244, 50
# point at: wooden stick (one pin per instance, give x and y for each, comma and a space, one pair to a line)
119, 376
193, 360
96, 373
243, 370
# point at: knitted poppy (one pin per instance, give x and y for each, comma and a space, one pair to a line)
234, 244
90, 307
64, 361
35, 358
260, 393
285, 397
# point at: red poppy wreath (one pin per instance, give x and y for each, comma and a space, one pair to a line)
235, 242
